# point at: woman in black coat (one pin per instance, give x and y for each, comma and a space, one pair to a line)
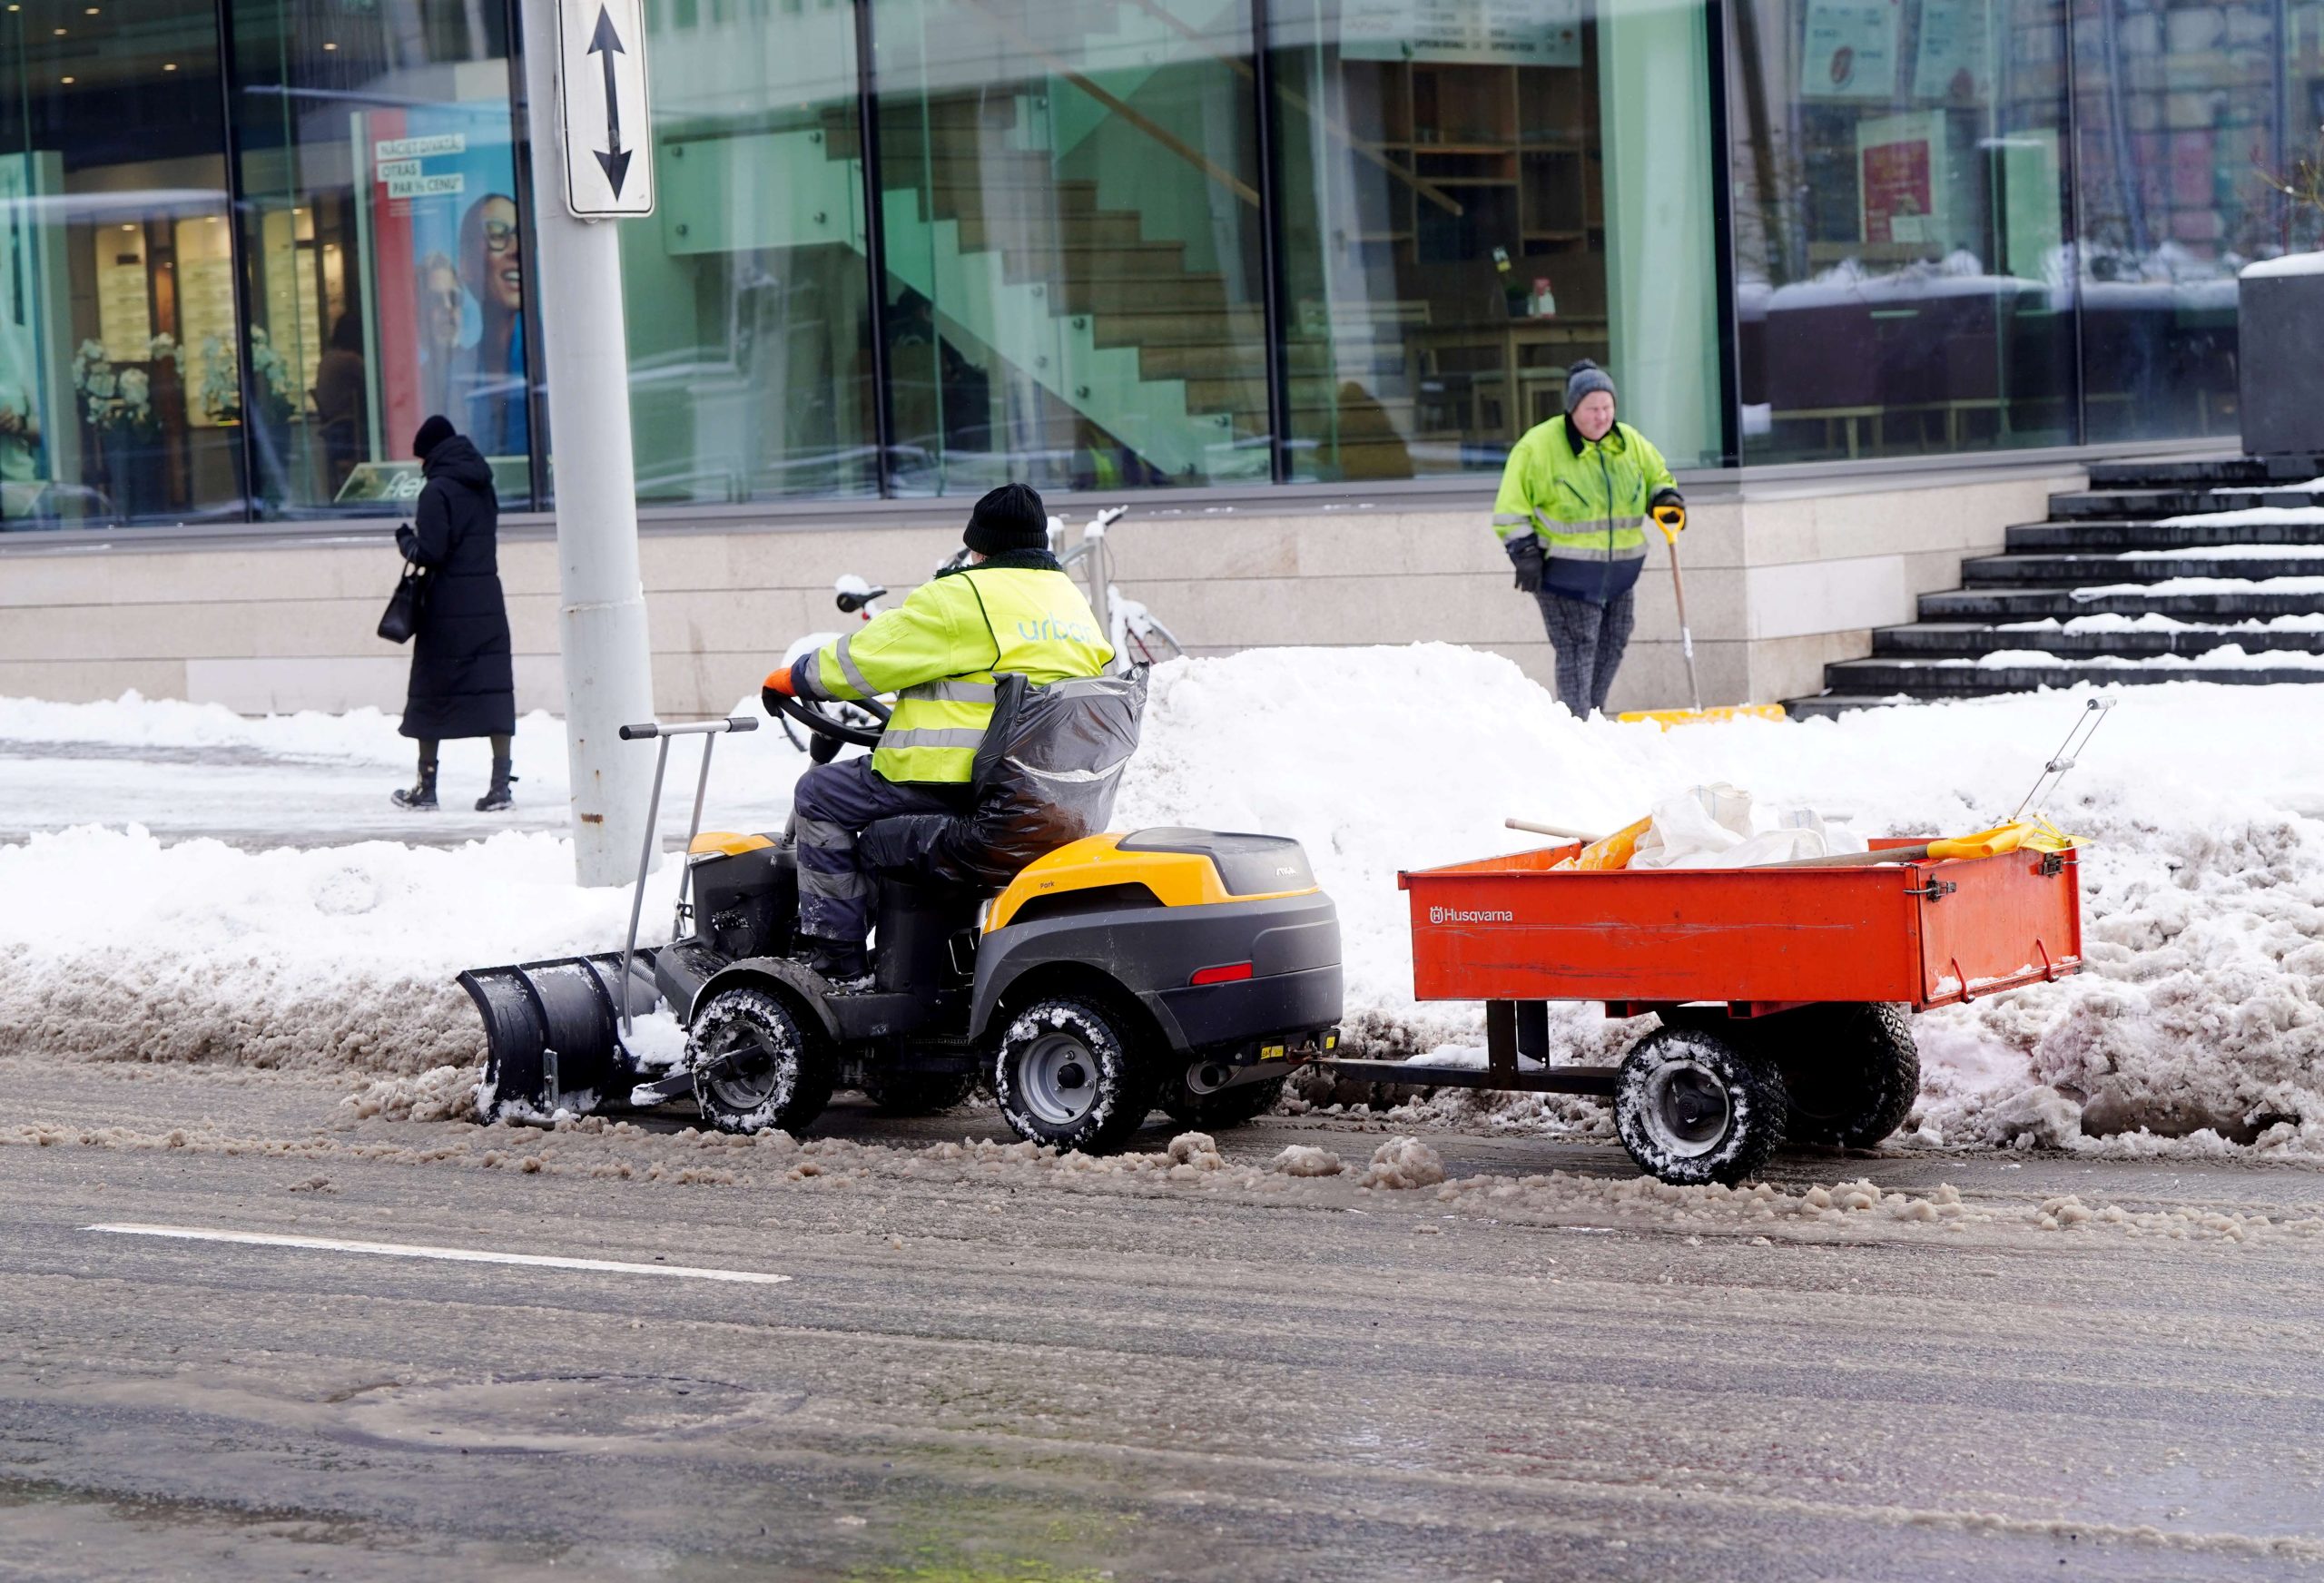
461, 682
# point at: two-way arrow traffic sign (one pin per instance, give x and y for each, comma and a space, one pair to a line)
600, 97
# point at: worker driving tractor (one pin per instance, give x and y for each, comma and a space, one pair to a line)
1009, 610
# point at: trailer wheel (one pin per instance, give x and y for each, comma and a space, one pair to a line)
1072, 1072
1852, 1072
1693, 1107
756, 1065
1186, 1101
917, 1093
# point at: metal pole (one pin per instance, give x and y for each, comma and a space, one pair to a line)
645, 867
602, 622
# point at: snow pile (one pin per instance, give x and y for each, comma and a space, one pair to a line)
438, 1094
1402, 1163
2201, 1011
1307, 1160
114, 947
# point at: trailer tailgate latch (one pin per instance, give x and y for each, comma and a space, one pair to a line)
1935, 890
2052, 865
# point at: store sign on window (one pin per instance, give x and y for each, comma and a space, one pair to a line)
1955, 60
1504, 33
1851, 50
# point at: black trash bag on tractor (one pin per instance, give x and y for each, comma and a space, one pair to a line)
1046, 774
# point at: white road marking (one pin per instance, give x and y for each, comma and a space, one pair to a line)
198, 1233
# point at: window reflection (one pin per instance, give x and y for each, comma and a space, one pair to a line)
112, 194
384, 242
1904, 283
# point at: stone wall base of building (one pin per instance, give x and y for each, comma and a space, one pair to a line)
1781, 579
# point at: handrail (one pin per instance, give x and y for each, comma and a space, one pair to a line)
1121, 107
1428, 190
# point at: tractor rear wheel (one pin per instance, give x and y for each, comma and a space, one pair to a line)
758, 1063
1695, 1108
1072, 1071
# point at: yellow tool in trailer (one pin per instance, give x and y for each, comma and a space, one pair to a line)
1671, 519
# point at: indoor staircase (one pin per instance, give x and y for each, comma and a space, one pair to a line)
2118, 586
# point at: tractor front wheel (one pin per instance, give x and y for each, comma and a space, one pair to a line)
758, 1063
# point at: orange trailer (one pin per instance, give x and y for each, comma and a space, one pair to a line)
1785, 994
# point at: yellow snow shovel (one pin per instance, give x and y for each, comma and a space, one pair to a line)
1671, 519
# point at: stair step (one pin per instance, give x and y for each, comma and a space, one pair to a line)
1143, 262
1186, 293
2204, 472
2123, 535
1970, 640
1242, 327
2251, 564
1099, 228
1935, 679
2028, 604
2133, 503
2277, 496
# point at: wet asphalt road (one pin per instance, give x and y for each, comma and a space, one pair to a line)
1021, 1379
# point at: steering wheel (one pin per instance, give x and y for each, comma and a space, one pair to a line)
824, 719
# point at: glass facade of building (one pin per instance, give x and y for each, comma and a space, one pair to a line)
911, 248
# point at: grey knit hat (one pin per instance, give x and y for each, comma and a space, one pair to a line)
1582, 379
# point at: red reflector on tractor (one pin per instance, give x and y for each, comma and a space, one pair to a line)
1226, 973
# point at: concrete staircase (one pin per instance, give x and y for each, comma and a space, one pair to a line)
2117, 586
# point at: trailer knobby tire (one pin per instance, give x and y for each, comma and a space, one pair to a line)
1694, 1108
758, 1063
1852, 1072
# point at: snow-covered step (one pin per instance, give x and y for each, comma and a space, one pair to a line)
2098, 636
2022, 670
2249, 562
2187, 598
2204, 471
2117, 503
2098, 538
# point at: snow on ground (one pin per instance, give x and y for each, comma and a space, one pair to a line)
2203, 1006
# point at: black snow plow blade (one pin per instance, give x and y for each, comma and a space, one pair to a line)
553, 1032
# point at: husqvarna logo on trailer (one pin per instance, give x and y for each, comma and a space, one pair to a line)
1468, 915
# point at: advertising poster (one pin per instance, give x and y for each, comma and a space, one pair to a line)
1955, 60
1850, 51
1912, 191
446, 277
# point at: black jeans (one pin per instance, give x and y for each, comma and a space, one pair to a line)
830, 807
1589, 640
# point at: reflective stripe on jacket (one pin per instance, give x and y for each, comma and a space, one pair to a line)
1587, 504
939, 651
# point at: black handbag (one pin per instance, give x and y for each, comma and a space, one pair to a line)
401, 617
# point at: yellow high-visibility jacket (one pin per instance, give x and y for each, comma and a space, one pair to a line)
1586, 501
939, 653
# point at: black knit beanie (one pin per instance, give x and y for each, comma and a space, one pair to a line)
432, 433
1010, 517
1582, 379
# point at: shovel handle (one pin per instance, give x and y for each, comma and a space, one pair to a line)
1528, 825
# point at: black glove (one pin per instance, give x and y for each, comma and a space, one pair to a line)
1525, 554
407, 541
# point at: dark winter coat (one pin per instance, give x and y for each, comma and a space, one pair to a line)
461, 680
